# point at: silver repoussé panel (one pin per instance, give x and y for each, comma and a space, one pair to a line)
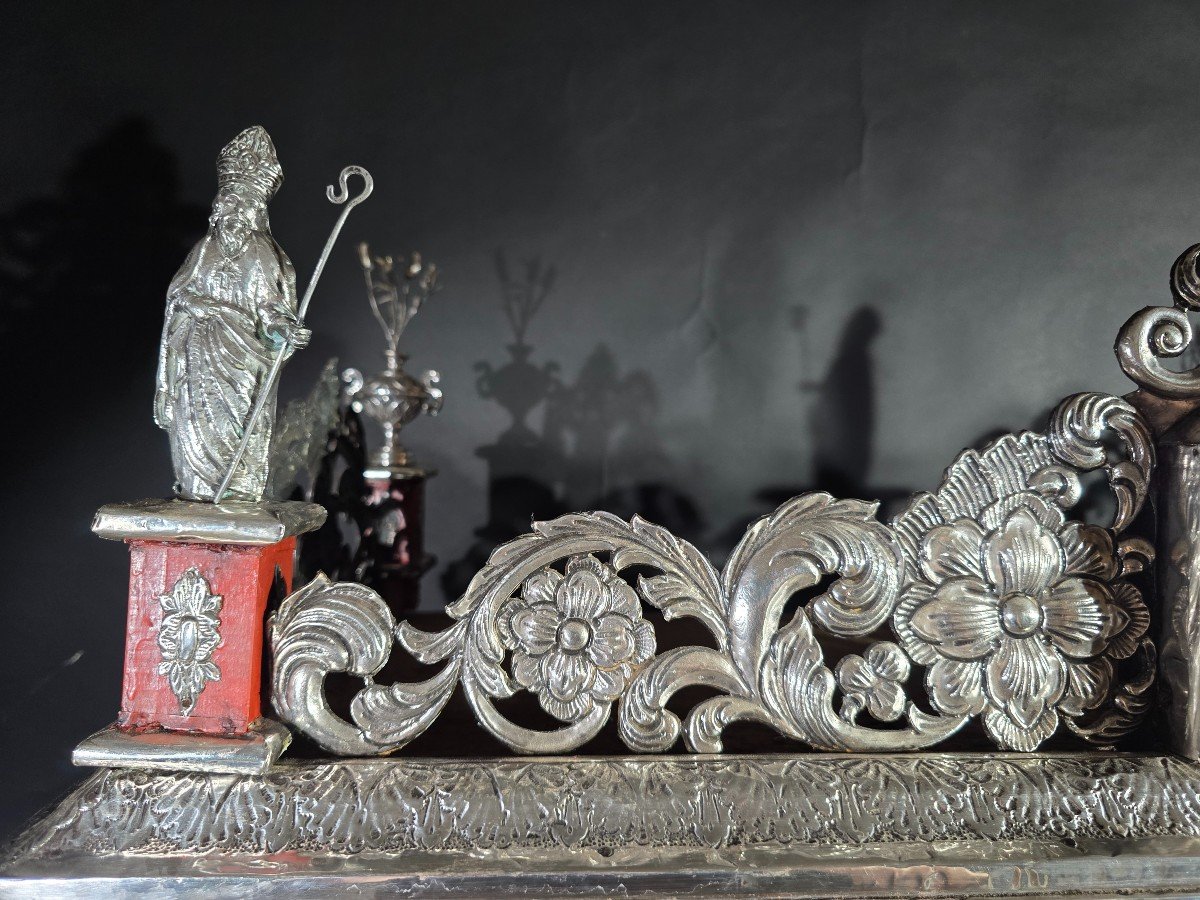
1015, 613
812, 826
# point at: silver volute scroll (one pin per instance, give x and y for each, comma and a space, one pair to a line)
1160, 333
1013, 612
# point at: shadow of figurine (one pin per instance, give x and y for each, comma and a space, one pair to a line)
841, 426
637, 452
842, 419
597, 446
84, 267
580, 422
88, 268
518, 385
522, 467
520, 458
604, 427
642, 474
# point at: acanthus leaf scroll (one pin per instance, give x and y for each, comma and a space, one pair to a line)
1012, 612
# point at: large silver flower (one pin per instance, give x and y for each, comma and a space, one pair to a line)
577, 639
1016, 617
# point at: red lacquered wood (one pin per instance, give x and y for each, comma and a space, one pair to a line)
243, 576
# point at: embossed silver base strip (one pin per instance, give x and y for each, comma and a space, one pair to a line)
251, 754
812, 826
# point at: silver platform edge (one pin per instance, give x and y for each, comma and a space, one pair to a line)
250, 754
187, 521
933, 825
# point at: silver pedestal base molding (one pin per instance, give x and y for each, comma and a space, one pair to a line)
188, 521
250, 754
936, 825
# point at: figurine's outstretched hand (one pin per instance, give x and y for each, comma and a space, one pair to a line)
292, 335
299, 337
286, 333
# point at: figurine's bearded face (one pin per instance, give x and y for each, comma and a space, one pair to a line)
235, 214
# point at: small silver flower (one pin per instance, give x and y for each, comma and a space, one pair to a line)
576, 639
187, 637
874, 682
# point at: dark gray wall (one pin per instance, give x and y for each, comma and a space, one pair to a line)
796, 245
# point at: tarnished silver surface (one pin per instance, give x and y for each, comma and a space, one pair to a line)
350, 807
813, 826
231, 522
190, 631
1179, 588
1171, 399
393, 398
252, 753
231, 309
1016, 614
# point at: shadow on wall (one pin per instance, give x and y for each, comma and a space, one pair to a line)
840, 426
842, 419
597, 447
521, 461
85, 271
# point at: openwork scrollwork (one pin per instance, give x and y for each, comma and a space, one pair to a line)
1012, 612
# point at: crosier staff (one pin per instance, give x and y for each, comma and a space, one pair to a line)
339, 196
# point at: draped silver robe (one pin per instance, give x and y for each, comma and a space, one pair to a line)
217, 348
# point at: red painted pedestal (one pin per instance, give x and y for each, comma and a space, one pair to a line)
201, 579
243, 578
394, 536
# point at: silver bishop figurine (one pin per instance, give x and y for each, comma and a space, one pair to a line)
231, 315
